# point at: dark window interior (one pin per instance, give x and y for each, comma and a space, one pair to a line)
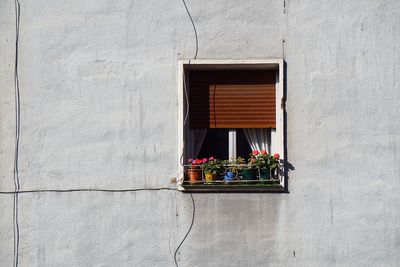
216, 144
242, 146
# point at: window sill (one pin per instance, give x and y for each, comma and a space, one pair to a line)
232, 188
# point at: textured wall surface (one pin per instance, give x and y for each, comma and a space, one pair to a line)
98, 82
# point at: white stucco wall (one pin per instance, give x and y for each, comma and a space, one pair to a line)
98, 82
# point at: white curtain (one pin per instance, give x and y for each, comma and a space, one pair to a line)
196, 139
259, 139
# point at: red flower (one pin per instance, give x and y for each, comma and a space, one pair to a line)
198, 161
204, 160
211, 158
255, 152
276, 156
264, 152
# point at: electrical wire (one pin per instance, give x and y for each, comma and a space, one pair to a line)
17, 185
194, 29
87, 190
17, 98
187, 233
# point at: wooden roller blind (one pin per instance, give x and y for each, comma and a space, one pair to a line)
232, 99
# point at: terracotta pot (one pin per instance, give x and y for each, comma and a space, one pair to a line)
194, 176
210, 177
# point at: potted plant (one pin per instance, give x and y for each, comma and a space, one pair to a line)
249, 169
195, 170
267, 164
212, 168
263, 163
274, 163
231, 170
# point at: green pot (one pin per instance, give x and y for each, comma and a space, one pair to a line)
249, 174
265, 174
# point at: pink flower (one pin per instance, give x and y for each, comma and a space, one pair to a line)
190, 160
264, 152
211, 158
204, 160
276, 156
255, 152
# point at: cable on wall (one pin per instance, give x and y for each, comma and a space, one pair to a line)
87, 190
194, 29
17, 98
187, 233
17, 135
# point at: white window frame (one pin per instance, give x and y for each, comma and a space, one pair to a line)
267, 64
232, 144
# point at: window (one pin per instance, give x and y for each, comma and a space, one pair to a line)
227, 110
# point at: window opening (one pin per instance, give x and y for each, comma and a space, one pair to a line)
232, 111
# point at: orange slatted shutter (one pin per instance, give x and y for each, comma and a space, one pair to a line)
232, 99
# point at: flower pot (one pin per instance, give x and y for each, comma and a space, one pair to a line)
210, 177
194, 176
229, 176
265, 174
249, 174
